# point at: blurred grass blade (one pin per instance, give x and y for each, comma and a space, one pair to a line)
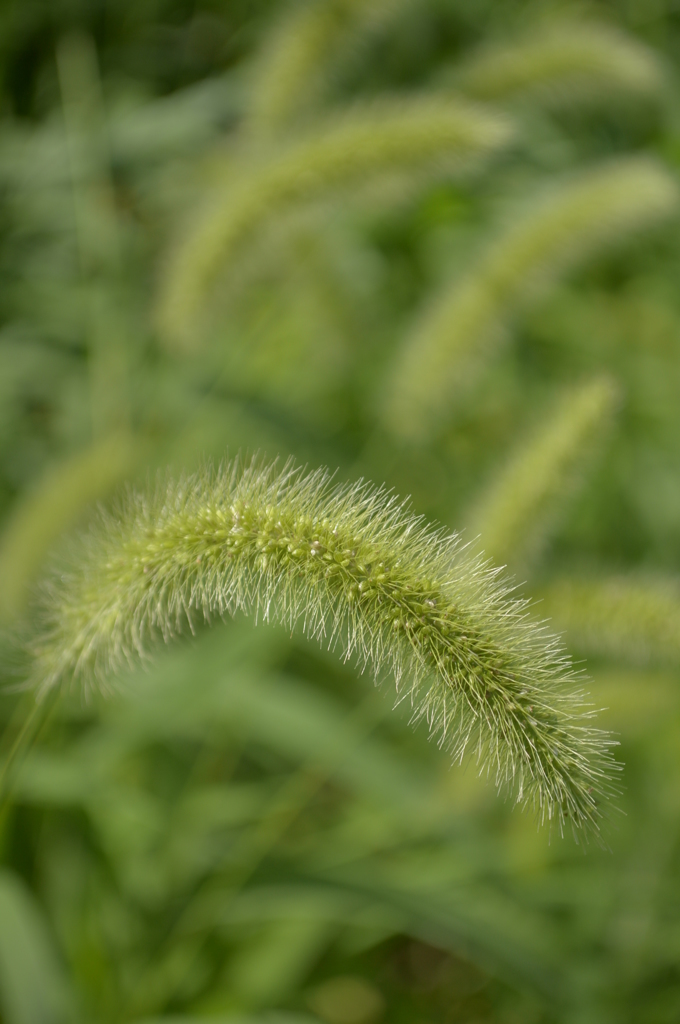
97, 229
278, 957
459, 332
55, 504
173, 125
303, 724
622, 617
32, 987
446, 899
274, 1017
528, 500
248, 701
563, 63
375, 138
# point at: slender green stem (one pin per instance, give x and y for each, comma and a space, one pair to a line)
31, 727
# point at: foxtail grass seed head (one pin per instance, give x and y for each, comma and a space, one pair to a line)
564, 63
631, 618
299, 55
357, 570
526, 502
458, 333
367, 141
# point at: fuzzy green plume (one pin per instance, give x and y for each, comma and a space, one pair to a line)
366, 141
635, 619
455, 336
523, 505
567, 62
356, 569
294, 60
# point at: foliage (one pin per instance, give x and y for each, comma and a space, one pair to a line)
429, 244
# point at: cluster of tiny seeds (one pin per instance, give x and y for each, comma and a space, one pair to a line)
418, 613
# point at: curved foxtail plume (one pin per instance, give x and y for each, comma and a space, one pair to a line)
353, 147
566, 62
461, 329
356, 569
291, 72
523, 505
633, 617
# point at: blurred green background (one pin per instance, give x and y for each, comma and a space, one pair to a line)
434, 243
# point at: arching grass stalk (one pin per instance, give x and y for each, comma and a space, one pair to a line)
356, 569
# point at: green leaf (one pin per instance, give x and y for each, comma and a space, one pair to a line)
33, 988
